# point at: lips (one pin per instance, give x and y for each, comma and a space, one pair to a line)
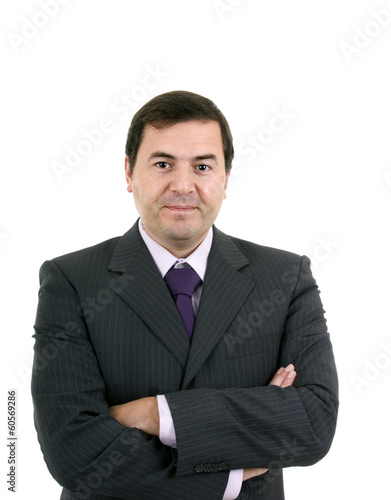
180, 208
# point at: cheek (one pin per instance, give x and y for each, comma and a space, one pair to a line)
214, 195
147, 195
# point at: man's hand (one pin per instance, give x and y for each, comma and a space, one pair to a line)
141, 413
283, 378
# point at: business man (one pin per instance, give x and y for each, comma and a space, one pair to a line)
159, 356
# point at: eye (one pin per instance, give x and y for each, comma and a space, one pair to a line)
162, 164
203, 168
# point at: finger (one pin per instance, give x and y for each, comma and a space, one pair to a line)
278, 377
253, 472
289, 379
281, 375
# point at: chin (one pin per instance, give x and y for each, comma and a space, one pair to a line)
180, 235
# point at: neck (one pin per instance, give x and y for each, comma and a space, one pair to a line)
179, 248
181, 253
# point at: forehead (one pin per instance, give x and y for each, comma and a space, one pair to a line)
191, 136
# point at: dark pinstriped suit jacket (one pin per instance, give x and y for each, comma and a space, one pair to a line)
108, 332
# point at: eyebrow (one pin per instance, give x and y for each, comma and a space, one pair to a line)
162, 154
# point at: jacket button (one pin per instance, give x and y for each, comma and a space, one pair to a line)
211, 467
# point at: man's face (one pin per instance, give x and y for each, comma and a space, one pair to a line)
179, 182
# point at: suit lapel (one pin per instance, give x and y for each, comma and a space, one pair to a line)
224, 291
141, 286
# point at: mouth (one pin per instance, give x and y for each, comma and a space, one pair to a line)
180, 208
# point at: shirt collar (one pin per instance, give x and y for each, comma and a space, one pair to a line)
165, 259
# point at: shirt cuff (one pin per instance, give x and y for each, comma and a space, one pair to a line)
167, 430
234, 484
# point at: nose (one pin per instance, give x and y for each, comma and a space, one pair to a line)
182, 181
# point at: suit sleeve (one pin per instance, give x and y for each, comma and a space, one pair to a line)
268, 426
86, 450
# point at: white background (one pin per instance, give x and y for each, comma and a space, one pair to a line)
320, 187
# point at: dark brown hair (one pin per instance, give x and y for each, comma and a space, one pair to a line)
176, 107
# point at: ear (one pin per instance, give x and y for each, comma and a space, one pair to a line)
127, 175
226, 183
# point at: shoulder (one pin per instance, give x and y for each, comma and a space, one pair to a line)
263, 263
90, 256
93, 265
100, 255
261, 253
253, 252
274, 265
84, 267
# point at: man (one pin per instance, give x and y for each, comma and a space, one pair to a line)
159, 356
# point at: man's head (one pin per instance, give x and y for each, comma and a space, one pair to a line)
177, 107
178, 168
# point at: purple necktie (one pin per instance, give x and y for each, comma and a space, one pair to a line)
182, 281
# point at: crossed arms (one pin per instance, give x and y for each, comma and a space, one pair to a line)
143, 414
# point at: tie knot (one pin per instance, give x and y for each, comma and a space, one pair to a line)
182, 280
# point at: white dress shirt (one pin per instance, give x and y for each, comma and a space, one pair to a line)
198, 260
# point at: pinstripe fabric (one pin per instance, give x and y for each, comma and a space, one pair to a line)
107, 332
